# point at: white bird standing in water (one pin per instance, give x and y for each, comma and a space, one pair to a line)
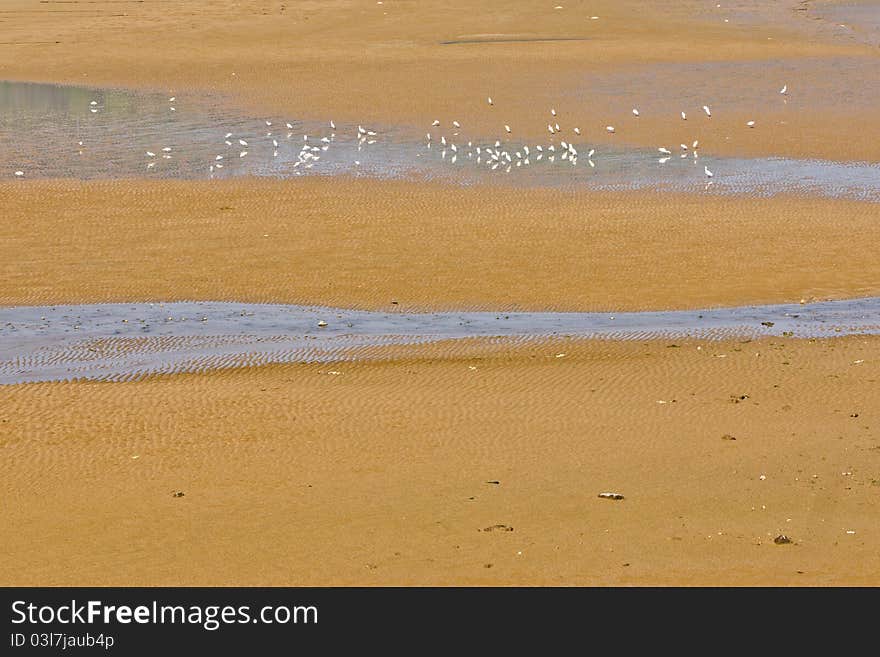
332, 125
19, 173
708, 173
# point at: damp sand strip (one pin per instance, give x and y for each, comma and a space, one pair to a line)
124, 341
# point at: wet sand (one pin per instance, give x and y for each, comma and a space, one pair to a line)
376, 472
379, 473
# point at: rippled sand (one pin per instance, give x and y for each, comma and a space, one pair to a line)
379, 472
365, 244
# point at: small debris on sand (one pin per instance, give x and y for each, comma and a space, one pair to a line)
611, 496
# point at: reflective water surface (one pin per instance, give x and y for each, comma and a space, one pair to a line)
51, 131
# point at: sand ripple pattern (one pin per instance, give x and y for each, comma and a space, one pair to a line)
119, 342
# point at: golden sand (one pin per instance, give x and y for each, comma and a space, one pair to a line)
380, 474
368, 243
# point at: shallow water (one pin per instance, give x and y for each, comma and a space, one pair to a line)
125, 341
860, 19
51, 131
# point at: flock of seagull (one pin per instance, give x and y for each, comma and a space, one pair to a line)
497, 154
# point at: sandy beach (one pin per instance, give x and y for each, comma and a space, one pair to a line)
457, 462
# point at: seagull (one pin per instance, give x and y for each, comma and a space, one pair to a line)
436, 122
684, 116
577, 131
151, 154
553, 112
751, 124
663, 160
635, 112
665, 151
550, 128
167, 149
289, 126
228, 135
268, 123
507, 127
609, 128
456, 124
490, 100
695, 144
19, 173
784, 89
93, 103
683, 147
332, 125
707, 110
242, 142
172, 99
708, 173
